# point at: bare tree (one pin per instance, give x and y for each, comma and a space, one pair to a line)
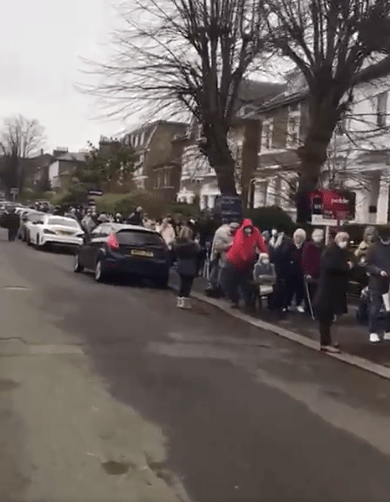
20, 138
186, 56
336, 44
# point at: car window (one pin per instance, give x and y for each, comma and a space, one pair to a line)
137, 238
63, 222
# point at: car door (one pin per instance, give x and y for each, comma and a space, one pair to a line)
87, 250
99, 241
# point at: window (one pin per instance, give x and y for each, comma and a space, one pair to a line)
167, 178
138, 238
64, 222
293, 130
267, 135
381, 109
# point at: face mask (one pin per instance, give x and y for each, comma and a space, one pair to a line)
342, 244
265, 262
248, 231
317, 240
385, 241
274, 232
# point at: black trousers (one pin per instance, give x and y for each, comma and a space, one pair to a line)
295, 288
377, 322
12, 233
325, 327
186, 282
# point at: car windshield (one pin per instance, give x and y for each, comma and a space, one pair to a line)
64, 222
136, 238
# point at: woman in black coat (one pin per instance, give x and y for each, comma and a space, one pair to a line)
331, 298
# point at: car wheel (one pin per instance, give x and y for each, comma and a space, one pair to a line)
162, 282
77, 267
99, 272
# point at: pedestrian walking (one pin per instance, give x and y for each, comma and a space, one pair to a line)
187, 256
137, 217
331, 297
13, 224
311, 263
378, 268
167, 232
295, 282
237, 276
88, 223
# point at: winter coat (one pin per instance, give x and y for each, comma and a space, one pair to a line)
311, 259
378, 259
136, 219
331, 298
88, 224
294, 254
222, 241
187, 257
364, 247
12, 221
264, 273
242, 253
167, 233
280, 248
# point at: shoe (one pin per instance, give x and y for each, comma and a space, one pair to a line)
330, 348
187, 304
180, 302
300, 309
374, 338
386, 336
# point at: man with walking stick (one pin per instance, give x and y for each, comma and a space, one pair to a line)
311, 260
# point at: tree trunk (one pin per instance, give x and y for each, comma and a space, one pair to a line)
250, 156
220, 158
323, 118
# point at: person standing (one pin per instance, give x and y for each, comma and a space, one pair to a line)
186, 251
13, 223
378, 268
295, 283
87, 222
167, 232
279, 249
311, 262
240, 259
331, 298
137, 217
369, 237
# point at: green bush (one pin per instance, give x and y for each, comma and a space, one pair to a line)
265, 218
153, 206
183, 209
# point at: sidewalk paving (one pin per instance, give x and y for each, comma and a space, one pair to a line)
352, 337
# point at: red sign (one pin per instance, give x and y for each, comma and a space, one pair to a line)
334, 203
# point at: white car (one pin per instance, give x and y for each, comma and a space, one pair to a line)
57, 230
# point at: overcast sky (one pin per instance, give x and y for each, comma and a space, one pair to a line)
40, 45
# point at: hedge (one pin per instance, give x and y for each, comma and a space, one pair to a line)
153, 206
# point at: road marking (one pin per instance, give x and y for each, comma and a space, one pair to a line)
359, 362
16, 288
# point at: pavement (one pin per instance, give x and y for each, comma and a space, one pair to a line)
109, 393
352, 337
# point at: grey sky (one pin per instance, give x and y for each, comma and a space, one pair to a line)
40, 45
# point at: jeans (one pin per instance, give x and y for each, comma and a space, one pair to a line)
214, 274
186, 282
374, 321
233, 281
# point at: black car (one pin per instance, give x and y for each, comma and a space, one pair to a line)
124, 250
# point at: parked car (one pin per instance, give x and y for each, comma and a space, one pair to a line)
130, 250
55, 230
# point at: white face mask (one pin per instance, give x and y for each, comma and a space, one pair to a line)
342, 244
274, 232
248, 231
265, 262
317, 240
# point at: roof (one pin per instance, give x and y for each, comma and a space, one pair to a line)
72, 157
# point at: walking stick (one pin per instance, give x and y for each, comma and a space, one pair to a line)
309, 301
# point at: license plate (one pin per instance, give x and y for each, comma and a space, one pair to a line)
141, 252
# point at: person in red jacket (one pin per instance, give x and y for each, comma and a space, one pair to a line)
240, 259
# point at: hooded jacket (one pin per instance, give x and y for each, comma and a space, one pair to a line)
242, 253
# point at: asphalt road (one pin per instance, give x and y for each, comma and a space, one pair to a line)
216, 410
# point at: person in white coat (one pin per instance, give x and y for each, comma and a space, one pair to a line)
167, 232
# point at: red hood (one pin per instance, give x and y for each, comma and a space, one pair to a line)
247, 223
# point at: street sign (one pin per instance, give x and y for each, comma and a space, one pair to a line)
318, 219
228, 208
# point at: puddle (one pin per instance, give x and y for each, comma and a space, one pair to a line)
116, 468
6, 385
